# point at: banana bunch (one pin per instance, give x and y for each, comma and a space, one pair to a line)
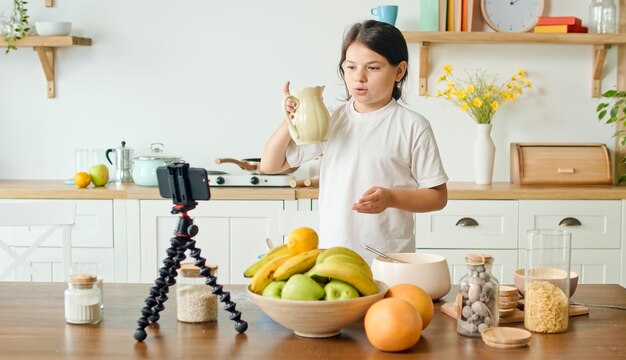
344, 264
337, 263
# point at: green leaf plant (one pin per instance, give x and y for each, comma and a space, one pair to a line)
18, 25
614, 112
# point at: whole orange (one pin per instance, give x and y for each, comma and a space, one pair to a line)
417, 297
82, 179
393, 324
302, 239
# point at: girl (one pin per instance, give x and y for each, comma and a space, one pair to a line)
381, 161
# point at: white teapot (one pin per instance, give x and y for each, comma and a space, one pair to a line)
310, 123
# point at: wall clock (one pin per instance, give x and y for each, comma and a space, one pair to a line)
511, 15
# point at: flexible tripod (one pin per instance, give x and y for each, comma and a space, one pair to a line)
181, 242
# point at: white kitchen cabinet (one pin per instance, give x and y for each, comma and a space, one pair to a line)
232, 234
596, 227
91, 242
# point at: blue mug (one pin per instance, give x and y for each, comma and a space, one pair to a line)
386, 13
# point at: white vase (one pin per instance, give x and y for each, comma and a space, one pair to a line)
484, 155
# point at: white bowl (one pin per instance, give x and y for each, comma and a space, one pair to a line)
316, 319
428, 271
53, 28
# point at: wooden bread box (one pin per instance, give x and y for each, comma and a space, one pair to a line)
560, 164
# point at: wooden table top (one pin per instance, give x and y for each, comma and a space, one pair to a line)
32, 326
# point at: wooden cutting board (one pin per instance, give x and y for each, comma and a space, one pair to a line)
517, 316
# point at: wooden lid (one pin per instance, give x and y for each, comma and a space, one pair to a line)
191, 270
82, 279
478, 259
506, 337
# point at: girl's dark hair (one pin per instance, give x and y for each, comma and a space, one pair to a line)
381, 38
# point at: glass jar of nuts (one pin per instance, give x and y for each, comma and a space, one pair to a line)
478, 292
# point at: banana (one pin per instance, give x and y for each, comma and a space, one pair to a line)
298, 264
269, 255
342, 258
339, 250
348, 273
265, 274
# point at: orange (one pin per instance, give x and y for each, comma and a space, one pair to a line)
82, 179
393, 325
417, 297
302, 239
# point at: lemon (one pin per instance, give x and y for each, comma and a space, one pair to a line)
302, 239
82, 179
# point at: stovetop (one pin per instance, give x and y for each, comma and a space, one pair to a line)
221, 178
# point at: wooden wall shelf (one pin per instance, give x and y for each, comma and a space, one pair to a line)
600, 42
45, 46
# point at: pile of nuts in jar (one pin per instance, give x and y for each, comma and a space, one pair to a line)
478, 294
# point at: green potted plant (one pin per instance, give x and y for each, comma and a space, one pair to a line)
614, 112
17, 25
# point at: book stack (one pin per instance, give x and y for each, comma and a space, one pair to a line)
559, 24
448, 15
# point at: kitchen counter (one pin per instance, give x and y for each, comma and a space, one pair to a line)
32, 326
55, 189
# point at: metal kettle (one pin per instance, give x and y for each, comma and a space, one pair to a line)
123, 163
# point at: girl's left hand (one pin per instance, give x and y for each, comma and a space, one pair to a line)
374, 201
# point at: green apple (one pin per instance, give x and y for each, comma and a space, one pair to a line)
302, 287
274, 289
99, 174
339, 290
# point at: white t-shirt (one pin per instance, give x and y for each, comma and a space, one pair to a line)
391, 147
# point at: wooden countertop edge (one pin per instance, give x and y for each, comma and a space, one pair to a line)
55, 189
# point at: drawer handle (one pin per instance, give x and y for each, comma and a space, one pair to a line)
466, 221
566, 170
570, 221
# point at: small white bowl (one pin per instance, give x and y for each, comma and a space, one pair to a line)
428, 271
53, 28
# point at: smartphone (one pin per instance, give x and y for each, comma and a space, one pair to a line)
170, 182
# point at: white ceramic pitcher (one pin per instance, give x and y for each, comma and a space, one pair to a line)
311, 122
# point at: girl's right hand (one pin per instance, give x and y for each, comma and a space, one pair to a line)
290, 105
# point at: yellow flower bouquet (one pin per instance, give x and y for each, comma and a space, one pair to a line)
480, 94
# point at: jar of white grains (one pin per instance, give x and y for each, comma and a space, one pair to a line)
194, 300
83, 299
479, 291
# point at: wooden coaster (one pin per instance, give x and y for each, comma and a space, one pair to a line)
508, 290
507, 304
506, 337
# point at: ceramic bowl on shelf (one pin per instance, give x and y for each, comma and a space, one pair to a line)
428, 271
53, 28
317, 319
553, 276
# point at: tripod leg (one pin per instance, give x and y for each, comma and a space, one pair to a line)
240, 325
158, 293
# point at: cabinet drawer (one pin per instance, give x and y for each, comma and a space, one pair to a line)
469, 224
599, 221
504, 263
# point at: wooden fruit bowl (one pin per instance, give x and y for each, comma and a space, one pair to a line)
317, 319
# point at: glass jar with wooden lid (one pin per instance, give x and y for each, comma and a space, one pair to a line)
478, 294
83, 299
194, 300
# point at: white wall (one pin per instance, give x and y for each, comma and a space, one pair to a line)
205, 78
